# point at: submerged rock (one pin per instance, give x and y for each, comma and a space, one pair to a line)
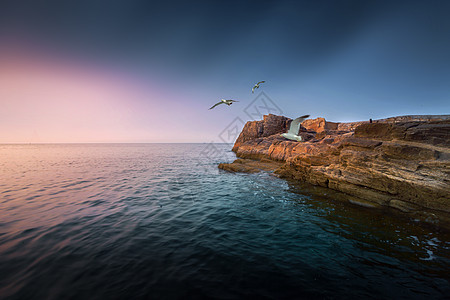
250, 166
402, 162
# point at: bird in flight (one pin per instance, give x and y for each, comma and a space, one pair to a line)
292, 133
257, 86
223, 101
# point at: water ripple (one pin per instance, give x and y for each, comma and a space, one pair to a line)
160, 221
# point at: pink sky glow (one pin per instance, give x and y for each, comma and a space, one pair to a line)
45, 100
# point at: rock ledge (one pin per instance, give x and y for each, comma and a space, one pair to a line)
401, 162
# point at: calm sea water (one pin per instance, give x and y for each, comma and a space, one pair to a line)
126, 221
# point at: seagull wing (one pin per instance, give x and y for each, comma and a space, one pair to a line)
295, 124
218, 103
261, 82
253, 88
232, 100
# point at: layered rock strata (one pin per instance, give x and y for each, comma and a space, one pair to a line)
402, 162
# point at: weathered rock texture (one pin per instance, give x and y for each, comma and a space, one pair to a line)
251, 166
271, 124
402, 162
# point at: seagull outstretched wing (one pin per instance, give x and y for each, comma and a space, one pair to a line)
256, 86
218, 103
295, 124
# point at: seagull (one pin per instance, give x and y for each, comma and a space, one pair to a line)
257, 86
223, 101
292, 133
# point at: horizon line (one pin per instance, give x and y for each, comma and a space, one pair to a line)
74, 143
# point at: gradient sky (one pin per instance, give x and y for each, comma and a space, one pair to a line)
147, 71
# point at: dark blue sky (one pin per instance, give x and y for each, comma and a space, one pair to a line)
342, 60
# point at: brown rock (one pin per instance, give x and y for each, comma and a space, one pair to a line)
408, 152
403, 206
319, 125
401, 162
358, 142
250, 166
374, 130
270, 125
416, 118
350, 126
238, 167
434, 133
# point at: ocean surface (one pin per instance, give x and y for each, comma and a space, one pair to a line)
161, 221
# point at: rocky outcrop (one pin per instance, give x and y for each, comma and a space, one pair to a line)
319, 125
251, 166
270, 125
401, 162
432, 133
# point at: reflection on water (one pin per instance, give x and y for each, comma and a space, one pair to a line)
104, 221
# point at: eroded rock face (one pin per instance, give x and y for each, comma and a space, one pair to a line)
270, 125
319, 125
402, 162
250, 166
433, 133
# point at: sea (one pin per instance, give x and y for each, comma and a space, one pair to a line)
161, 221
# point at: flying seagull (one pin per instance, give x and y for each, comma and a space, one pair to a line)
292, 133
257, 86
223, 101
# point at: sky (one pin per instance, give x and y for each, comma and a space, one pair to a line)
147, 71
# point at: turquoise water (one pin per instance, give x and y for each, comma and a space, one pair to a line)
160, 221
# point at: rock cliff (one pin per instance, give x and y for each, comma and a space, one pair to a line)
401, 162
